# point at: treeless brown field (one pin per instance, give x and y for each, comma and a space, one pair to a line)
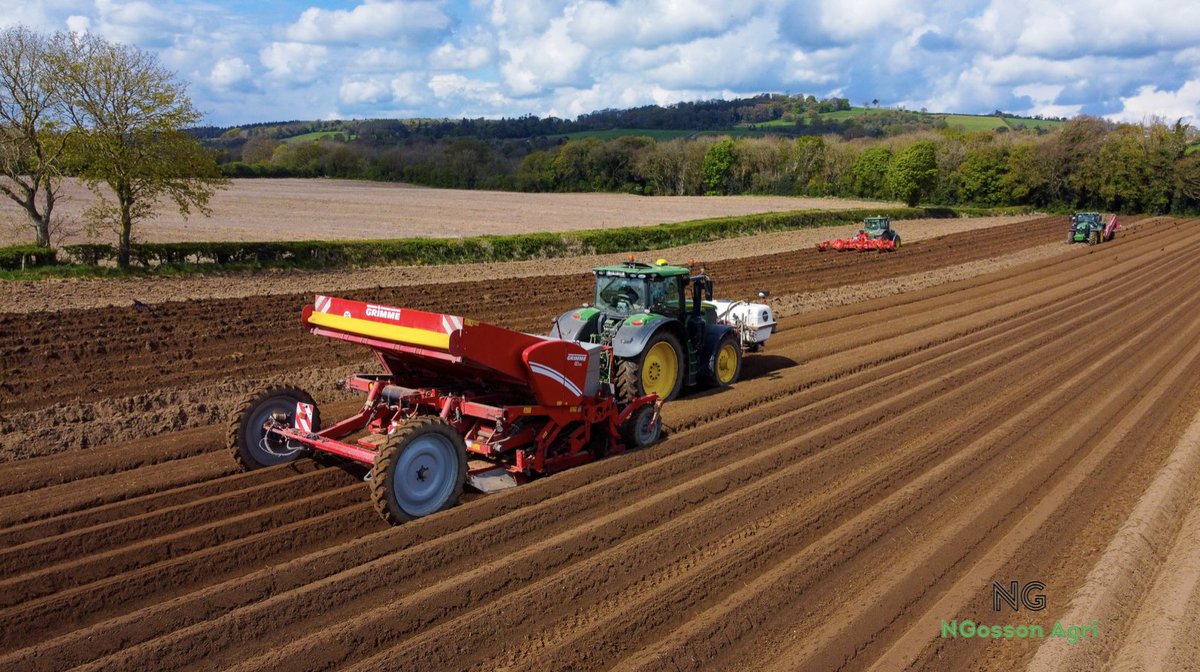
323, 209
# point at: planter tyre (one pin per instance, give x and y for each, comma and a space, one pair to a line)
247, 437
420, 470
642, 428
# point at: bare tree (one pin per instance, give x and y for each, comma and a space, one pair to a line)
33, 137
132, 112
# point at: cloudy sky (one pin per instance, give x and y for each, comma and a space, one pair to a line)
270, 60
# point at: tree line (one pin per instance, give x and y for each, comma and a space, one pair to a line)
1087, 163
109, 114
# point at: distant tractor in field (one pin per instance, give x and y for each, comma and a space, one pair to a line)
876, 234
1089, 227
664, 329
880, 228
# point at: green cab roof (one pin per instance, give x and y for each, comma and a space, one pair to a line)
635, 269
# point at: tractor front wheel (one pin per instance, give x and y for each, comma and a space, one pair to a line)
420, 470
1094, 238
248, 438
726, 363
657, 370
1070, 237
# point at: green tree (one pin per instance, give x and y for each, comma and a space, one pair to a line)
913, 174
982, 175
806, 160
1187, 181
870, 171
259, 148
719, 160
1024, 180
133, 111
1123, 169
536, 172
33, 137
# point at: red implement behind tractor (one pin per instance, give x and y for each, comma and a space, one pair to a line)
859, 243
459, 402
876, 234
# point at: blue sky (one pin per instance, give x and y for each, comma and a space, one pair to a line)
273, 60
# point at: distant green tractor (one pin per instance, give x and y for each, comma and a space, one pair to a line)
880, 228
1089, 227
663, 336
876, 234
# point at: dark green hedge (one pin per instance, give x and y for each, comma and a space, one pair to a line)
319, 254
26, 256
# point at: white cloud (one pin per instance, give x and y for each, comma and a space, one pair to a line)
27, 13
748, 56
410, 89
229, 72
473, 51
293, 61
142, 23
457, 88
78, 24
869, 19
543, 62
372, 20
524, 17
355, 92
1077, 27
1150, 101
654, 23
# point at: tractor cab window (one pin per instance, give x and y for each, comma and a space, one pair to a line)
876, 225
621, 295
666, 296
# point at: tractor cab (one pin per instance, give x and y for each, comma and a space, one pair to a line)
1085, 220
1087, 227
635, 287
877, 227
660, 329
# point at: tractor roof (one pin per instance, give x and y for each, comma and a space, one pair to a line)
636, 269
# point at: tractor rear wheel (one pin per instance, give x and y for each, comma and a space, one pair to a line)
642, 428
420, 470
895, 242
657, 370
247, 437
726, 364
1070, 237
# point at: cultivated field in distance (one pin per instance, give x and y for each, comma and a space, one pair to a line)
324, 209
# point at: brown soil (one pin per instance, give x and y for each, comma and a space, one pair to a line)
873, 472
321, 209
57, 295
185, 364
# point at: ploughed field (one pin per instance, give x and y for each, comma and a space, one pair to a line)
327, 209
878, 466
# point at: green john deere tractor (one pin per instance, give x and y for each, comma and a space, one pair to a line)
664, 329
1089, 227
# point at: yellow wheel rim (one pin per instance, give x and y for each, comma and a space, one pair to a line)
726, 364
660, 370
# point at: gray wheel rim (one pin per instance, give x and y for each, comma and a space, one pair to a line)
271, 449
425, 474
645, 428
